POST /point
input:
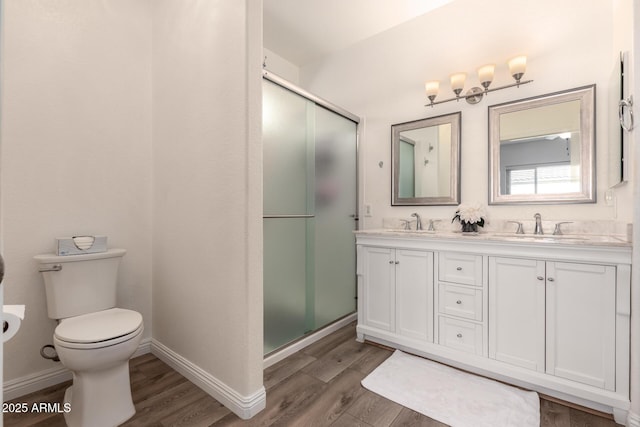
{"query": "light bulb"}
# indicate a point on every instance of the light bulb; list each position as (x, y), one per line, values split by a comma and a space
(485, 75)
(517, 67)
(432, 88)
(457, 82)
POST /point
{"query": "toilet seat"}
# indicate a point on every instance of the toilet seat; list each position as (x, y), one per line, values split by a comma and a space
(100, 329)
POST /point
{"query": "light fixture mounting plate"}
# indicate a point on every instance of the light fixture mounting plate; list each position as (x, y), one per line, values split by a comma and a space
(474, 95)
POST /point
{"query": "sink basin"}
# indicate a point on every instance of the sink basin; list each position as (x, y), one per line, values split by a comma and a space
(539, 237)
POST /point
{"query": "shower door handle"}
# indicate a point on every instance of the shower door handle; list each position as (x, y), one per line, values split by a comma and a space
(628, 103)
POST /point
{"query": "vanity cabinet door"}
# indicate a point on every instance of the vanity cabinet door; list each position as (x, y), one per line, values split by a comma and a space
(414, 294)
(581, 330)
(379, 290)
(398, 291)
(554, 317)
(517, 312)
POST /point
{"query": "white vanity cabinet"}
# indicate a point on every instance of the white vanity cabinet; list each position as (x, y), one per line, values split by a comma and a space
(398, 291)
(548, 314)
(554, 317)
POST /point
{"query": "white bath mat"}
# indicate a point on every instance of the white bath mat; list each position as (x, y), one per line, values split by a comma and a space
(451, 396)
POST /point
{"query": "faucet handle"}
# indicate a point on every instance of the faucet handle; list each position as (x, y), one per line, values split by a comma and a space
(557, 231)
(520, 229)
(432, 224)
(407, 223)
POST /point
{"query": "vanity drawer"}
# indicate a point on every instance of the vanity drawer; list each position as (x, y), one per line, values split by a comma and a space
(460, 335)
(460, 301)
(460, 268)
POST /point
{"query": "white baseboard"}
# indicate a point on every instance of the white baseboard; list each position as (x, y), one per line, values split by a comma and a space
(21, 386)
(244, 407)
(35, 382)
(274, 358)
(633, 420)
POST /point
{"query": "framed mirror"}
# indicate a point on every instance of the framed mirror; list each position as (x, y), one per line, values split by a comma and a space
(425, 167)
(542, 149)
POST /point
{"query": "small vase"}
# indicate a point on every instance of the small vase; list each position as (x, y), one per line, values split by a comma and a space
(469, 227)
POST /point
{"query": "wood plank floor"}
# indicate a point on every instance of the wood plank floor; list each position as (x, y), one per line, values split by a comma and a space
(318, 386)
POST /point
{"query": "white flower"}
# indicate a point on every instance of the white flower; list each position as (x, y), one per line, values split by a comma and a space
(472, 213)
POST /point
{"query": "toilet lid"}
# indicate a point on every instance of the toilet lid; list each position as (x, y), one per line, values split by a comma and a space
(100, 326)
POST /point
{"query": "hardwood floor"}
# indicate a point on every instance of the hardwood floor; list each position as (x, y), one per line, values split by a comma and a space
(318, 386)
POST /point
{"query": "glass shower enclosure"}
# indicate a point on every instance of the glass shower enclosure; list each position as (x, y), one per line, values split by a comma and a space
(309, 213)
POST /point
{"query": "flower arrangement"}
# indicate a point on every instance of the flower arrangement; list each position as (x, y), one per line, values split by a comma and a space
(470, 217)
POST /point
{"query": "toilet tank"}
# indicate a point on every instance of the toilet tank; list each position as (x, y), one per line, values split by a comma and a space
(80, 284)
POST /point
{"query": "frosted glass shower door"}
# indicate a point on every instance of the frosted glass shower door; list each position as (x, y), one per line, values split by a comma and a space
(309, 179)
(335, 208)
(287, 210)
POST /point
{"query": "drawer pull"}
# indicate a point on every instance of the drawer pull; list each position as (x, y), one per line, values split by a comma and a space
(540, 278)
(459, 268)
(550, 279)
(459, 302)
(459, 335)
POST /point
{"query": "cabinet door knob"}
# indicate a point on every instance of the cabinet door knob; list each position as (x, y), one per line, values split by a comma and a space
(459, 268)
(390, 262)
(459, 302)
(540, 278)
(459, 335)
(397, 262)
(551, 279)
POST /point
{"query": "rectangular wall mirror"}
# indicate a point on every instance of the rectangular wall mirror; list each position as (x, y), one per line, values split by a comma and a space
(542, 149)
(425, 167)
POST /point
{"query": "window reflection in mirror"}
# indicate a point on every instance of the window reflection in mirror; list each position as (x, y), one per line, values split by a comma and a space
(425, 166)
(541, 149)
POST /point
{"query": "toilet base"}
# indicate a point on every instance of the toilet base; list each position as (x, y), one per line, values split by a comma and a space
(100, 398)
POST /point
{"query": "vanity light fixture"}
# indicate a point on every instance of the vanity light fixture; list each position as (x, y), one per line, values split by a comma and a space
(517, 67)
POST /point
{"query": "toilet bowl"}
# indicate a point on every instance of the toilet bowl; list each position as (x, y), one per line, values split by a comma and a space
(96, 347)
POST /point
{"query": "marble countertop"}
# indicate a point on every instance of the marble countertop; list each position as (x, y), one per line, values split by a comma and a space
(566, 239)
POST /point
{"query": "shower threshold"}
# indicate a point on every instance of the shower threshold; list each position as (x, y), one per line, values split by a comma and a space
(278, 354)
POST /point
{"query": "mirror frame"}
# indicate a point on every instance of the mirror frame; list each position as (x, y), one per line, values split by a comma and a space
(587, 194)
(453, 198)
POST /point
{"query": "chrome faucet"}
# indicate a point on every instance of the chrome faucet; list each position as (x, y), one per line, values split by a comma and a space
(418, 221)
(538, 229)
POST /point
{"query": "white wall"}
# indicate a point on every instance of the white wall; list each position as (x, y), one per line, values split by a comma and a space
(76, 150)
(382, 79)
(207, 196)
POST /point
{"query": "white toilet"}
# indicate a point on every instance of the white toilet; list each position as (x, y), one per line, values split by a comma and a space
(93, 339)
